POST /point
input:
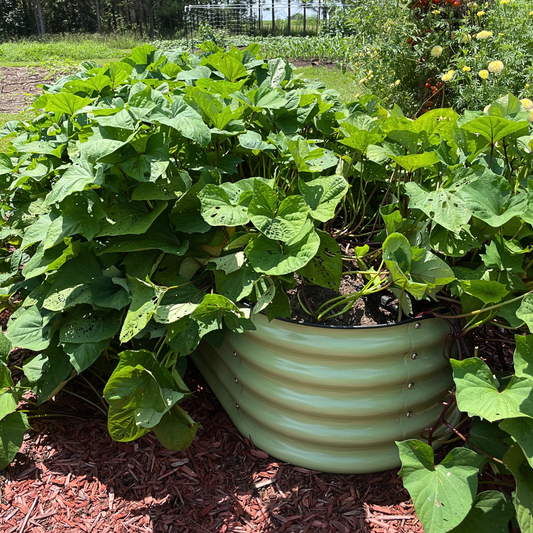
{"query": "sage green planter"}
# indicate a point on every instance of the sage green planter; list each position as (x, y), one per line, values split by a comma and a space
(328, 398)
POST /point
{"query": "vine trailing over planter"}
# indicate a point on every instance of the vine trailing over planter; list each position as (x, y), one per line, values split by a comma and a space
(150, 198)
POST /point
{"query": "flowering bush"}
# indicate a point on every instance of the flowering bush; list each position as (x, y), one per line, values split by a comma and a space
(497, 46)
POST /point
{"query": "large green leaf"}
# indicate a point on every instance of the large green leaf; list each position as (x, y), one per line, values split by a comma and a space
(178, 302)
(521, 429)
(77, 178)
(478, 395)
(494, 128)
(9, 398)
(488, 437)
(186, 121)
(443, 206)
(145, 298)
(450, 243)
(176, 430)
(234, 276)
(132, 218)
(81, 213)
(84, 325)
(82, 356)
(148, 164)
(397, 253)
(159, 236)
(325, 268)
(31, 328)
(525, 311)
(490, 199)
(523, 497)
(12, 429)
(431, 270)
(491, 513)
(225, 205)
(66, 103)
(523, 356)
(228, 66)
(215, 310)
(72, 285)
(270, 257)
(413, 162)
(443, 494)
(140, 391)
(51, 259)
(47, 372)
(487, 291)
(281, 222)
(322, 195)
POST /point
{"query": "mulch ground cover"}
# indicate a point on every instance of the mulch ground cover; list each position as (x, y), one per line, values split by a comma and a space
(70, 476)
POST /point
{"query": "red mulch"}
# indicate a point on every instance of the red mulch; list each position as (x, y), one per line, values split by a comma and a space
(71, 477)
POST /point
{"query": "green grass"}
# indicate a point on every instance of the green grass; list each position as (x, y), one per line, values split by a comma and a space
(73, 47)
(334, 78)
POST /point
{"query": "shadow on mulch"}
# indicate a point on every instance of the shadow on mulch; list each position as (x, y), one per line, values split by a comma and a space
(70, 476)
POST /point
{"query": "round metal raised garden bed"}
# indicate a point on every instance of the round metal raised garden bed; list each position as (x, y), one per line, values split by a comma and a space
(333, 399)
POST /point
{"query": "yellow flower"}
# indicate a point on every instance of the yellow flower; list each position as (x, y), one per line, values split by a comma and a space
(480, 13)
(531, 13)
(448, 76)
(530, 118)
(527, 103)
(466, 69)
(484, 74)
(504, 2)
(482, 35)
(436, 51)
(397, 82)
(467, 38)
(436, 11)
(495, 67)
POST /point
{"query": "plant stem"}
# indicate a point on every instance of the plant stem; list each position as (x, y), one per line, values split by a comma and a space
(86, 400)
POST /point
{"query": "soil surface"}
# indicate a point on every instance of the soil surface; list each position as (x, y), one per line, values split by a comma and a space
(366, 311)
(17, 85)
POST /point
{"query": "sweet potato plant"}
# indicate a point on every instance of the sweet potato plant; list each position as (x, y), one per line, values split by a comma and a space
(165, 199)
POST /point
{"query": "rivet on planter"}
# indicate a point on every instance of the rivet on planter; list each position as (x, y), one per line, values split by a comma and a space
(411, 385)
(236, 406)
(234, 354)
(418, 325)
(236, 380)
(409, 414)
(414, 356)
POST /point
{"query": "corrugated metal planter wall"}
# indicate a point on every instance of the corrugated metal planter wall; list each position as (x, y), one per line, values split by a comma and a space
(327, 398)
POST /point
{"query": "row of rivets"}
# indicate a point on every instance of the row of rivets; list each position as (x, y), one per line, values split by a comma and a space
(236, 381)
(411, 385)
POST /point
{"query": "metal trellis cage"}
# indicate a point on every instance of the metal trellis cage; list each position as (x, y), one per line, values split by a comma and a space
(296, 17)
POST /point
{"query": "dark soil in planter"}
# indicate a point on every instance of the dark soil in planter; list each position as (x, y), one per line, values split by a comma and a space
(380, 308)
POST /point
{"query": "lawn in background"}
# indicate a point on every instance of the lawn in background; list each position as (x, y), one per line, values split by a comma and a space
(335, 78)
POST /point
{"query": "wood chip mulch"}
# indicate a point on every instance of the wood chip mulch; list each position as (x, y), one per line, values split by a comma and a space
(71, 477)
